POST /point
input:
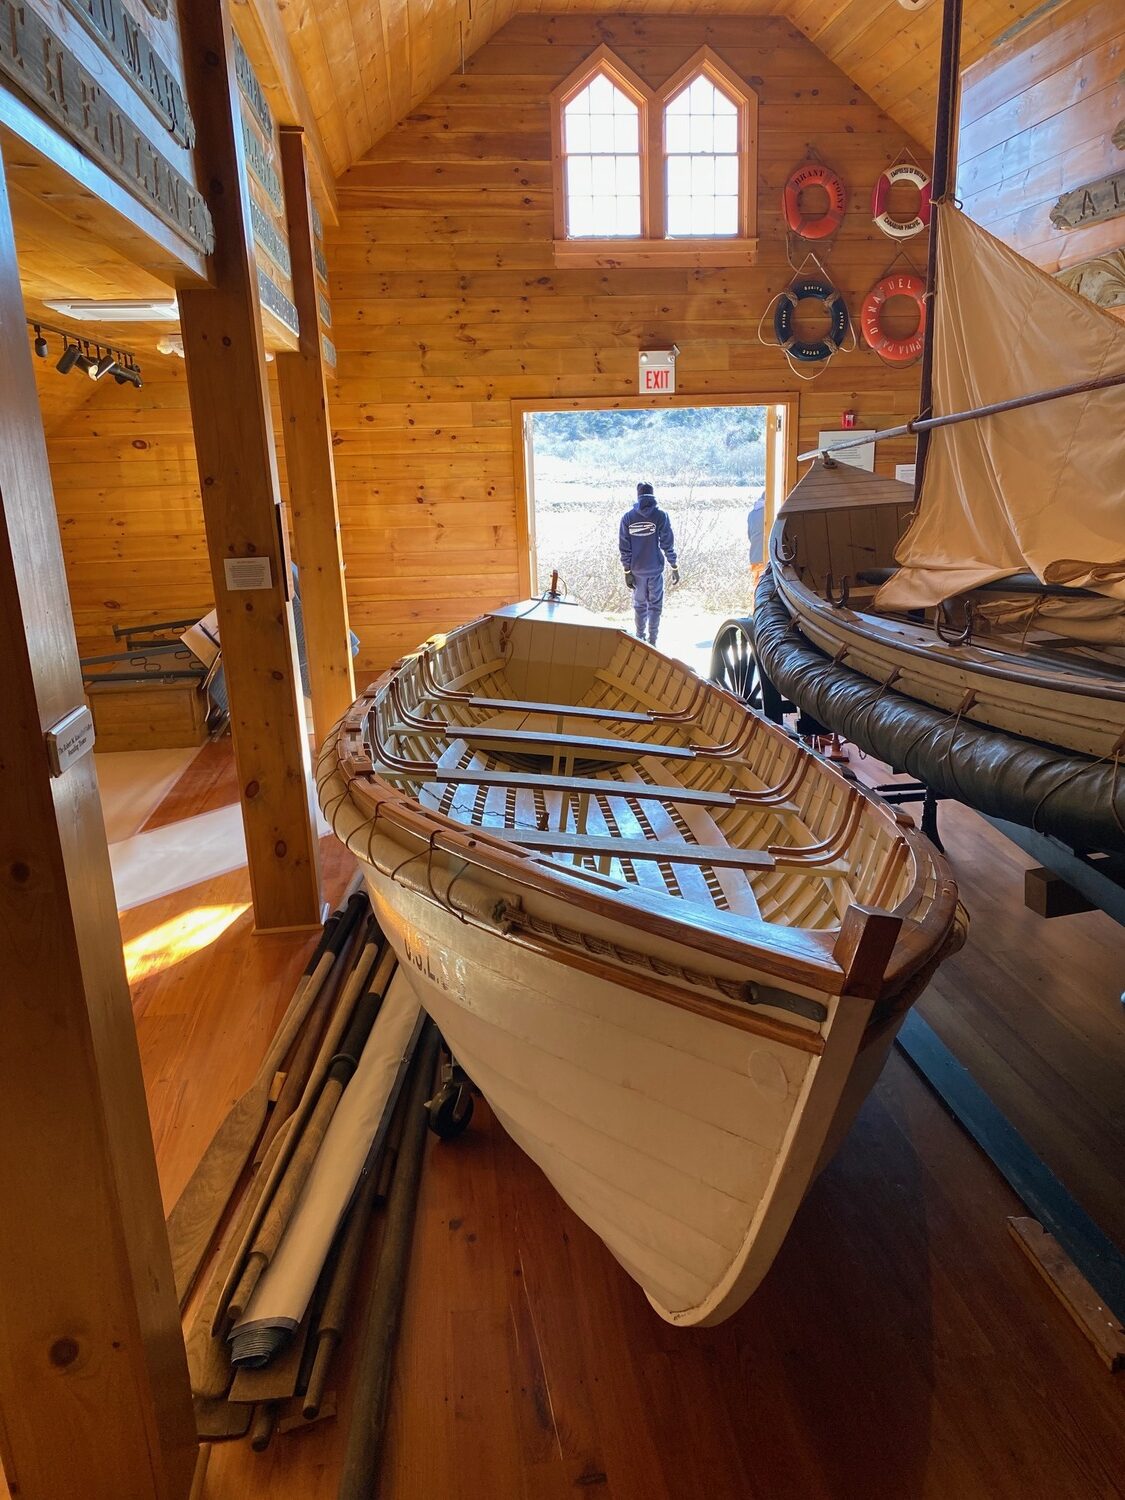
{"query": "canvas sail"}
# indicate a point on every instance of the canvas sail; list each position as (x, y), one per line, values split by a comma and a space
(1041, 489)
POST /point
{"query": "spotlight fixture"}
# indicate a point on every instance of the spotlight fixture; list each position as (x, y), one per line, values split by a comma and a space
(94, 359)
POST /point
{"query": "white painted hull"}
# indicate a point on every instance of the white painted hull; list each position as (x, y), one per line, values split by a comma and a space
(686, 1146)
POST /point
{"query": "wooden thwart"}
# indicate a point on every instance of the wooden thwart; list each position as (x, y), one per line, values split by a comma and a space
(721, 855)
(590, 747)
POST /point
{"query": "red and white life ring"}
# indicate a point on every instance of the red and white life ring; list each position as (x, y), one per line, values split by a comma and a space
(894, 351)
(814, 174)
(901, 229)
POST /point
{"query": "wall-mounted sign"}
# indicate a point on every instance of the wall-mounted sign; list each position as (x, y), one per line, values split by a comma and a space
(247, 573)
(69, 739)
(328, 350)
(1092, 204)
(120, 35)
(261, 167)
(37, 64)
(656, 371)
(271, 296)
(270, 237)
(1101, 280)
(251, 89)
(862, 457)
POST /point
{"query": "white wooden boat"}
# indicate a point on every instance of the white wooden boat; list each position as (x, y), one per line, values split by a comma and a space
(670, 945)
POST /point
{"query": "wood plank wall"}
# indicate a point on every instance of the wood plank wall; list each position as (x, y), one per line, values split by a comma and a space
(127, 496)
(1037, 119)
(447, 304)
(447, 307)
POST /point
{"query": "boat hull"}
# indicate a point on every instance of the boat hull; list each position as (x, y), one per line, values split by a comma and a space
(685, 1145)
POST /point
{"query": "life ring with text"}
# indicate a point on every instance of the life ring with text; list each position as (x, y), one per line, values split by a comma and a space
(820, 226)
(894, 351)
(901, 229)
(810, 351)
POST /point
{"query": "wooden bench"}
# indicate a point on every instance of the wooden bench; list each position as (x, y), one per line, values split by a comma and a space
(720, 855)
(569, 745)
(578, 785)
(562, 710)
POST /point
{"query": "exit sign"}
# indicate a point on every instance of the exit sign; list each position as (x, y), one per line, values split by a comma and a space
(657, 372)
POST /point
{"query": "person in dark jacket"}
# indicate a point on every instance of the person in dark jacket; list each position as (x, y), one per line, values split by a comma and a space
(645, 539)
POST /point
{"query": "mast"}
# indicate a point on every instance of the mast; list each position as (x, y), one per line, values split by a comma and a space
(945, 137)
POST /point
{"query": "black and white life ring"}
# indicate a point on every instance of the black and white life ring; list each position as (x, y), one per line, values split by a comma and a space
(901, 229)
(804, 350)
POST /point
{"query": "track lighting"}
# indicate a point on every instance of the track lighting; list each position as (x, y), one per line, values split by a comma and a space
(76, 354)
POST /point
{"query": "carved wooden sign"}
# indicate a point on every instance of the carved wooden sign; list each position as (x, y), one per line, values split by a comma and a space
(38, 65)
(251, 89)
(119, 34)
(1092, 204)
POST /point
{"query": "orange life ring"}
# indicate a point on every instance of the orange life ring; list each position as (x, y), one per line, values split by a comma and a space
(901, 229)
(814, 174)
(894, 351)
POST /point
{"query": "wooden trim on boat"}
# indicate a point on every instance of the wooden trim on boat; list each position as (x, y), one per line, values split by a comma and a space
(722, 856)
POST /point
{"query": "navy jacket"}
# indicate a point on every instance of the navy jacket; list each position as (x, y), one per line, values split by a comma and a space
(644, 534)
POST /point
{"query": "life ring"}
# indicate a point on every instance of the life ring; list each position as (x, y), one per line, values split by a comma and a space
(901, 229)
(814, 174)
(894, 351)
(805, 287)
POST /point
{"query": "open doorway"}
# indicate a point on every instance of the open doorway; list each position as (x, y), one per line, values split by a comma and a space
(714, 469)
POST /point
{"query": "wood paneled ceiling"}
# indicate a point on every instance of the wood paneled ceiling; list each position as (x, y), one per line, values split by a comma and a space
(366, 64)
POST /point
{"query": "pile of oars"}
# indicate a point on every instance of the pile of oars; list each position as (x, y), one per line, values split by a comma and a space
(251, 1177)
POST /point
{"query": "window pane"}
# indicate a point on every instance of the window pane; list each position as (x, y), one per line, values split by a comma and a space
(601, 135)
(577, 132)
(702, 162)
(726, 216)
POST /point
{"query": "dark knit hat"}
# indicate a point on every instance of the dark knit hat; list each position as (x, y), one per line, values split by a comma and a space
(643, 489)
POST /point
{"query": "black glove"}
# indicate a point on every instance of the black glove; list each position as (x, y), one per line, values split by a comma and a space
(630, 581)
(675, 577)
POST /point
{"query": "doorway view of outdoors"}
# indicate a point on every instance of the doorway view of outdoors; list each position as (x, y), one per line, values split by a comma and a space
(709, 469)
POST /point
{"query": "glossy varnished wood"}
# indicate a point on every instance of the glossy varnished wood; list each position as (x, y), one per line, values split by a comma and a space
(93, 1382)
(241, 504)
(901, 1346)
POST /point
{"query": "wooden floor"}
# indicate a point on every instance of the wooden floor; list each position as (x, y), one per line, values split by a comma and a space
(901, 1348)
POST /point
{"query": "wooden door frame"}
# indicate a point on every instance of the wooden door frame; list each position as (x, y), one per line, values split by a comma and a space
(522, 448)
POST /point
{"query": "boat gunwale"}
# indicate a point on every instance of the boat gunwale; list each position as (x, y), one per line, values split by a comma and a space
(802, 956)
(877, 629)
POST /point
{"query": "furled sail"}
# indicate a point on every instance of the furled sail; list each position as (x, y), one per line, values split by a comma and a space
(1041, 489)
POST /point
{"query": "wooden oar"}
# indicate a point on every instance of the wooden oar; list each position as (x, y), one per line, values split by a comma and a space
(356, 970)
(343, 1064)
(199, 1208)
(376, 1355)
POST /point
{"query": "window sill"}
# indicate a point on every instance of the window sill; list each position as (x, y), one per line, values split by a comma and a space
(671, 253)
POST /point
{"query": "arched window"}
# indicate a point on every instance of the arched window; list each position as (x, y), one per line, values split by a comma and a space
(601, 124)
(701, 161)
(649, 176)
(709, 122)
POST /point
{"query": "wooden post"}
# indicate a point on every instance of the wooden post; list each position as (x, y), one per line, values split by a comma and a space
(308, 457)
(241, 502)
(93, 1380)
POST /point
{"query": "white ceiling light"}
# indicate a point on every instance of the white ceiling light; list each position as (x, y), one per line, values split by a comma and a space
(119, 312)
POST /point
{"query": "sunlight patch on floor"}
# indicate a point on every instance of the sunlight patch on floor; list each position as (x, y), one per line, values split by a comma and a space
(178, 938)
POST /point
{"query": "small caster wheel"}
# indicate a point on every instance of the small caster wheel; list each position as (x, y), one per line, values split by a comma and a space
(450, 1111)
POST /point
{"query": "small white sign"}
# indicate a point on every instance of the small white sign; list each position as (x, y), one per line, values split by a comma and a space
(656, 372)
(862, 457)
(905, 472)
(70, 739)
(248, 572)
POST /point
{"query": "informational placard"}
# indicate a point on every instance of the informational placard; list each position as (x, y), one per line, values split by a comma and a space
(905, 472)
(70, 739)
(657, 372)
(861, 457)
(247, 573)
